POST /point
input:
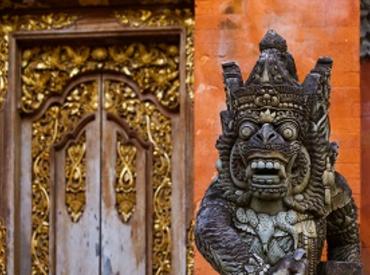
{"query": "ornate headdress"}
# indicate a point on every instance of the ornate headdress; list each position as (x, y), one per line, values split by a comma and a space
(273, 83)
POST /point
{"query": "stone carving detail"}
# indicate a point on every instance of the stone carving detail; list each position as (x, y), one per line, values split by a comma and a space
(75, 171)
(125, 185)
(58, 120)
(152, 126)
(277, 196)
(365, 29)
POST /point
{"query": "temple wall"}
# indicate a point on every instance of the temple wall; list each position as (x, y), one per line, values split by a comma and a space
(231, 30)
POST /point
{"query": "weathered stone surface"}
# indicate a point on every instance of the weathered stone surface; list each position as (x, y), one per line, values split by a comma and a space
(277, 196)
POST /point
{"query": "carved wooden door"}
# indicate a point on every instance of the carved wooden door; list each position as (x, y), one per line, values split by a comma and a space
(102, 185)
(98, 176)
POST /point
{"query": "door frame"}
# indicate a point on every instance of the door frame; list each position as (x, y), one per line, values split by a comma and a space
(182, 131)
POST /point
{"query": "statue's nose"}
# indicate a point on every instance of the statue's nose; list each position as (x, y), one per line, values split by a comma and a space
(267, 134)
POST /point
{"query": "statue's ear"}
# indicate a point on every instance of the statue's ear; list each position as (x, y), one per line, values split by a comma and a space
(233, 80)
(317, 87)
(227, 122)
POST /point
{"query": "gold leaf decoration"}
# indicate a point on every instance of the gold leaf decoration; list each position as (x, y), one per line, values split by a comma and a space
(145, 118)
(58, 120)
(153, 66)
(3, 258)
(75, 171)
(190, 248)
(183, 18)
(9, 24)
(125, 186)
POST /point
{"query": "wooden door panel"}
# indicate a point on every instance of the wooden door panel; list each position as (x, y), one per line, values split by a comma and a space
(77, 206)
(125, 229)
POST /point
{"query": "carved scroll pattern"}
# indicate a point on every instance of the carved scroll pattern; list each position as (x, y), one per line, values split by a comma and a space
(190, 242)
(75, 171)
(58, 120)
(9, 24)
(154, 67)
(145, 118)
(3, 258)
(169, 18)
(125, 186)
(166, 18)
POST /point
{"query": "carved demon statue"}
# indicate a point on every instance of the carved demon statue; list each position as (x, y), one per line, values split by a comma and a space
(277, 197)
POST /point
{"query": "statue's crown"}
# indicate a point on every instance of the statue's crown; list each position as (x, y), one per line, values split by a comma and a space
(273, 82)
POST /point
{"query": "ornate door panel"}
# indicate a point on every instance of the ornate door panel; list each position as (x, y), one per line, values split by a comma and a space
(99, 148)
(102, 186)
(77, 203)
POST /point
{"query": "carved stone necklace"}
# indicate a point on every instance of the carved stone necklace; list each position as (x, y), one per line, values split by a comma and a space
(271, 237)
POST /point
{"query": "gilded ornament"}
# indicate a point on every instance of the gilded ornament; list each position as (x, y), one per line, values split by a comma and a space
(3, 252)
(183, 18)
(154, 67)
(125, 186)
(75, 171)
(9, 24)
(190, 243)
(145, 118)
(54, 124)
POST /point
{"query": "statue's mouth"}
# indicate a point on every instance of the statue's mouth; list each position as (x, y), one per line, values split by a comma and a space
(267, 174)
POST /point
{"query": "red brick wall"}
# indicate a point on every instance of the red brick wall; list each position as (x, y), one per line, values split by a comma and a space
(231, 30)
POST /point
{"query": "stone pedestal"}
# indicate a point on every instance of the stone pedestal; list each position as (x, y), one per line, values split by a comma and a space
(339, 268)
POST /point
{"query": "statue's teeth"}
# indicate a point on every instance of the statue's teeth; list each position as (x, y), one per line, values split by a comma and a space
(254, 165)
(276, 165)
(269, 165)
(261, 165)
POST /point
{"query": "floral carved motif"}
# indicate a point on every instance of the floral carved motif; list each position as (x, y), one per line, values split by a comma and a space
(75, 171)
(9, 24)
(152, 126)
(57, 121)
(47, 70)
(125, 186)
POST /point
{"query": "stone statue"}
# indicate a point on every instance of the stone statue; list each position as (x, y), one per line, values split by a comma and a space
(277, 197)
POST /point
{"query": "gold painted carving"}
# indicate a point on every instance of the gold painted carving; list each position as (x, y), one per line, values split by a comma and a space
(154, 67)
(58, 120)
(145, 118)
(168, 18)
(125, 186)
(3, 258)
(190, 242)
(183, 18)
(75, 171)
(9, 24)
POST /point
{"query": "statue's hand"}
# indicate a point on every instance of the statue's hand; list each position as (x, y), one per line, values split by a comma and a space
(292, 264)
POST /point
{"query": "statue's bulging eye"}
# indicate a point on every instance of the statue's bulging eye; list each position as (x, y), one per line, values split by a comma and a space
(247, 129)
(289, 131)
